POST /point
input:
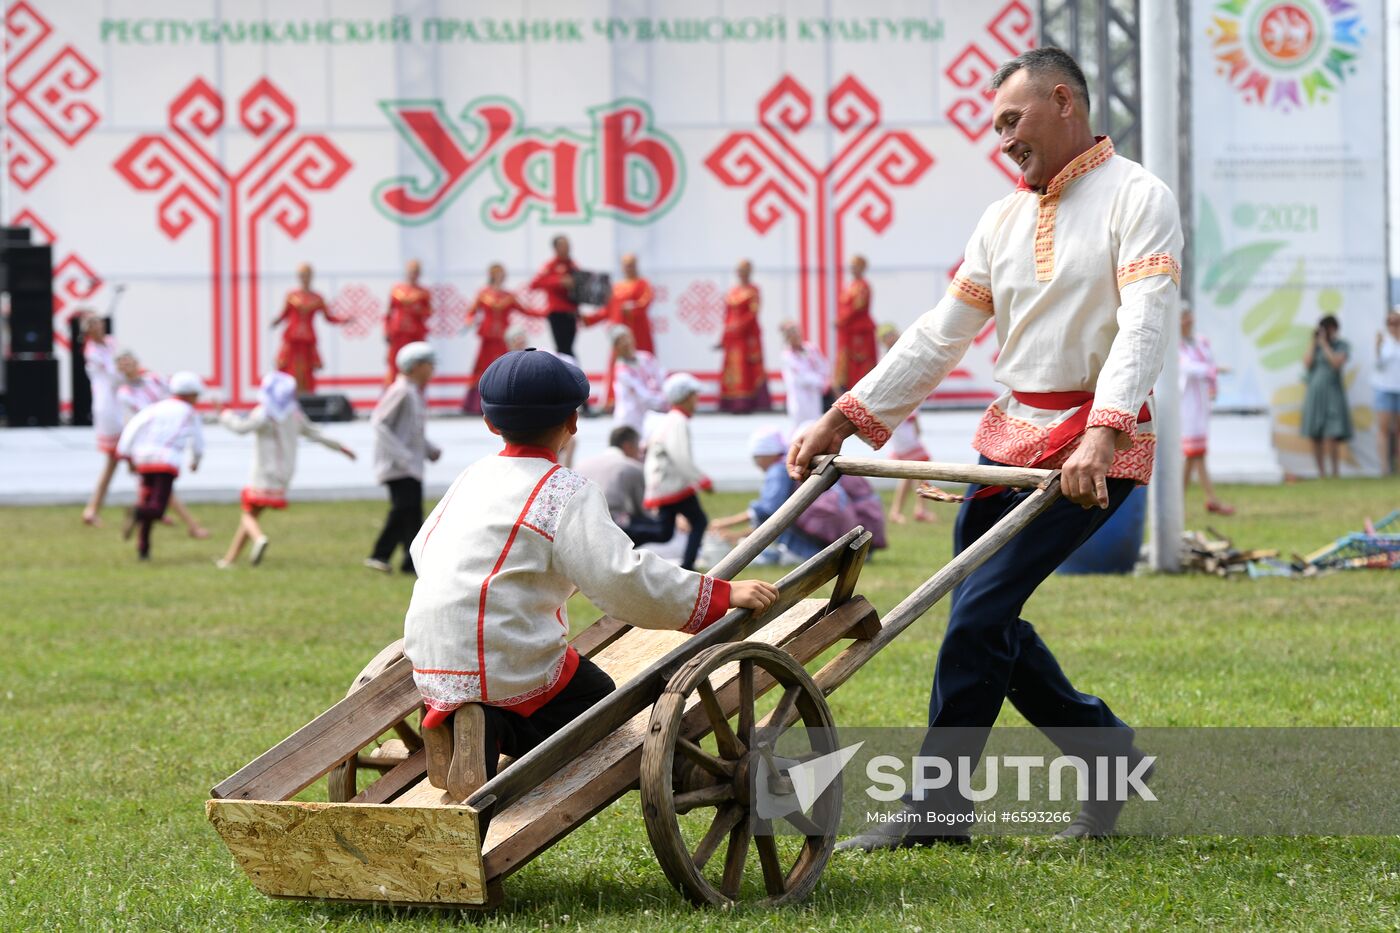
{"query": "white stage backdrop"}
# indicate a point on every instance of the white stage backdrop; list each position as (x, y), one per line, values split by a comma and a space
(196, 152)
(1288, 137)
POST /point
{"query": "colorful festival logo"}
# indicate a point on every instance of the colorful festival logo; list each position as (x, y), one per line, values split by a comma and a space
(623, 168)
(1286, 53)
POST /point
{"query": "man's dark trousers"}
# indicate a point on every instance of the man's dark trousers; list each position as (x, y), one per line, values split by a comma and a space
(989, 653)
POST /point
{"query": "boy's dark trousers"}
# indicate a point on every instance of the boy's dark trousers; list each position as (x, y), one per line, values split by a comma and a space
(403, 521)
(511, 734)
(691, 509)
(151, 503)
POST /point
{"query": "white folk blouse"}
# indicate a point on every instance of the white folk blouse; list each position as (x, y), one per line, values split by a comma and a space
(1080, 280)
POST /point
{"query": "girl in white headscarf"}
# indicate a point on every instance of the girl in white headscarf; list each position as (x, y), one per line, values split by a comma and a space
(278, 422)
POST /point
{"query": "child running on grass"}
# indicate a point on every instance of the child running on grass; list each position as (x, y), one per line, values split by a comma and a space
(672, 477)
(278, 422)
(154, 440)
(512, 539)
(400, 446)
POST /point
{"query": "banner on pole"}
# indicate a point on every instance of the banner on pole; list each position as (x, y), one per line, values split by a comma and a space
(1288, 180)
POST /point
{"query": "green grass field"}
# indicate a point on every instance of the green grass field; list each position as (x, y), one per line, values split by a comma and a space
(129, 690)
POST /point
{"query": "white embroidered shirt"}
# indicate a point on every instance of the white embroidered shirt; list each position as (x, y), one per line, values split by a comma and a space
(1079, 280)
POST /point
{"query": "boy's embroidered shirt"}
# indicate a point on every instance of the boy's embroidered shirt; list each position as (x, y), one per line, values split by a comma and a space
(497, 561)
(156, 436)
(1079, 281)
(670, 470)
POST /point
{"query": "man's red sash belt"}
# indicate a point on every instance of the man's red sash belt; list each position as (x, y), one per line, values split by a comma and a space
(1062, 434)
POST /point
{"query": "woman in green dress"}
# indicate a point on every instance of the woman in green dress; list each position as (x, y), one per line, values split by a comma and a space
(1326, 415)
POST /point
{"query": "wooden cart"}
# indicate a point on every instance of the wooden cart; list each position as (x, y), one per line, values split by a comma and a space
(388, 836)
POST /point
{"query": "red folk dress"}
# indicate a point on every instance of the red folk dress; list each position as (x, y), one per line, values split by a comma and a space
(631, 300)
(743, 380)
(298, 354)
(407, 321)
(491, 314)
(855, 335)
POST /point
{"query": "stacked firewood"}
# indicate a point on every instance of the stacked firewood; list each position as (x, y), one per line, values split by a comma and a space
(1211, 552)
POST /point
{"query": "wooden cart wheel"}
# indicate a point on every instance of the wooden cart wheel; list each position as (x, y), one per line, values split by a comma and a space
(697, 781)
(380, 755)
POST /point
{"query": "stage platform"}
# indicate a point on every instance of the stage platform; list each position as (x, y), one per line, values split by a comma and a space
(46, 466)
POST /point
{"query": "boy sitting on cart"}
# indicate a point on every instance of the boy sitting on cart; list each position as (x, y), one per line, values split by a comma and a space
(512, 539)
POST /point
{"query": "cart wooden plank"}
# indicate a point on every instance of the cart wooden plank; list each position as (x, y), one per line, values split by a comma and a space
(347, 851)
(594, 779)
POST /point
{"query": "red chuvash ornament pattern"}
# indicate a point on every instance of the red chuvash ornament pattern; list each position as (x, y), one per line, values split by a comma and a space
(48, 89)
(450, 309)
(359, 309)
(183, 167)
(1009, 33)
(701, 307)
(821, 199)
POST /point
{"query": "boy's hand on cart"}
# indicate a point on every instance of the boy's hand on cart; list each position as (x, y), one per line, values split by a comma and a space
(752, 594)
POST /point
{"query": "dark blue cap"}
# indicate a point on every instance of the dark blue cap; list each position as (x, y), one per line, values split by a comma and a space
(531, 390)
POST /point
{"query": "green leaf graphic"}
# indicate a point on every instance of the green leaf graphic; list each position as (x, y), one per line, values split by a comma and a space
(1290, 351)
(1241, 265)
(1276, 311)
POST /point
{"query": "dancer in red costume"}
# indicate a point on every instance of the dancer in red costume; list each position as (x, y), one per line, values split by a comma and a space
(298, 354)
(855, 330)
(410, 306)
(491, 314)
(743, 380)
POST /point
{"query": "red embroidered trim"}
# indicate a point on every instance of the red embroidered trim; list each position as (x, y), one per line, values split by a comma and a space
(872, 429)
(500, 561)
(1045, 237)
(531, 700)
(1113, 418)
(1082, 164)
(1049, 205)
(970, 293)
(1147, 266)
(1011, 440)
(701, 609)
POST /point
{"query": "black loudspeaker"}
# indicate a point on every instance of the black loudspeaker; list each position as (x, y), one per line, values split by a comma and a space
(29, 280)
(80, 390)
(31, 391)
(327, 407)
(14, 234)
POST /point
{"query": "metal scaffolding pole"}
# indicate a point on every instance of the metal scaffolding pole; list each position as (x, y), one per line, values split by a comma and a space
(1160, 30)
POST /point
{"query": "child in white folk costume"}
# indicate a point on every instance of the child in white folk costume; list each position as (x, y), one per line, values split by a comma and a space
(400, 446)
(673, 480)
(137, 389)
(154, 440)
(637, 379)
(278, 422)
(512, 539)
(100, 362)
(906, 443)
